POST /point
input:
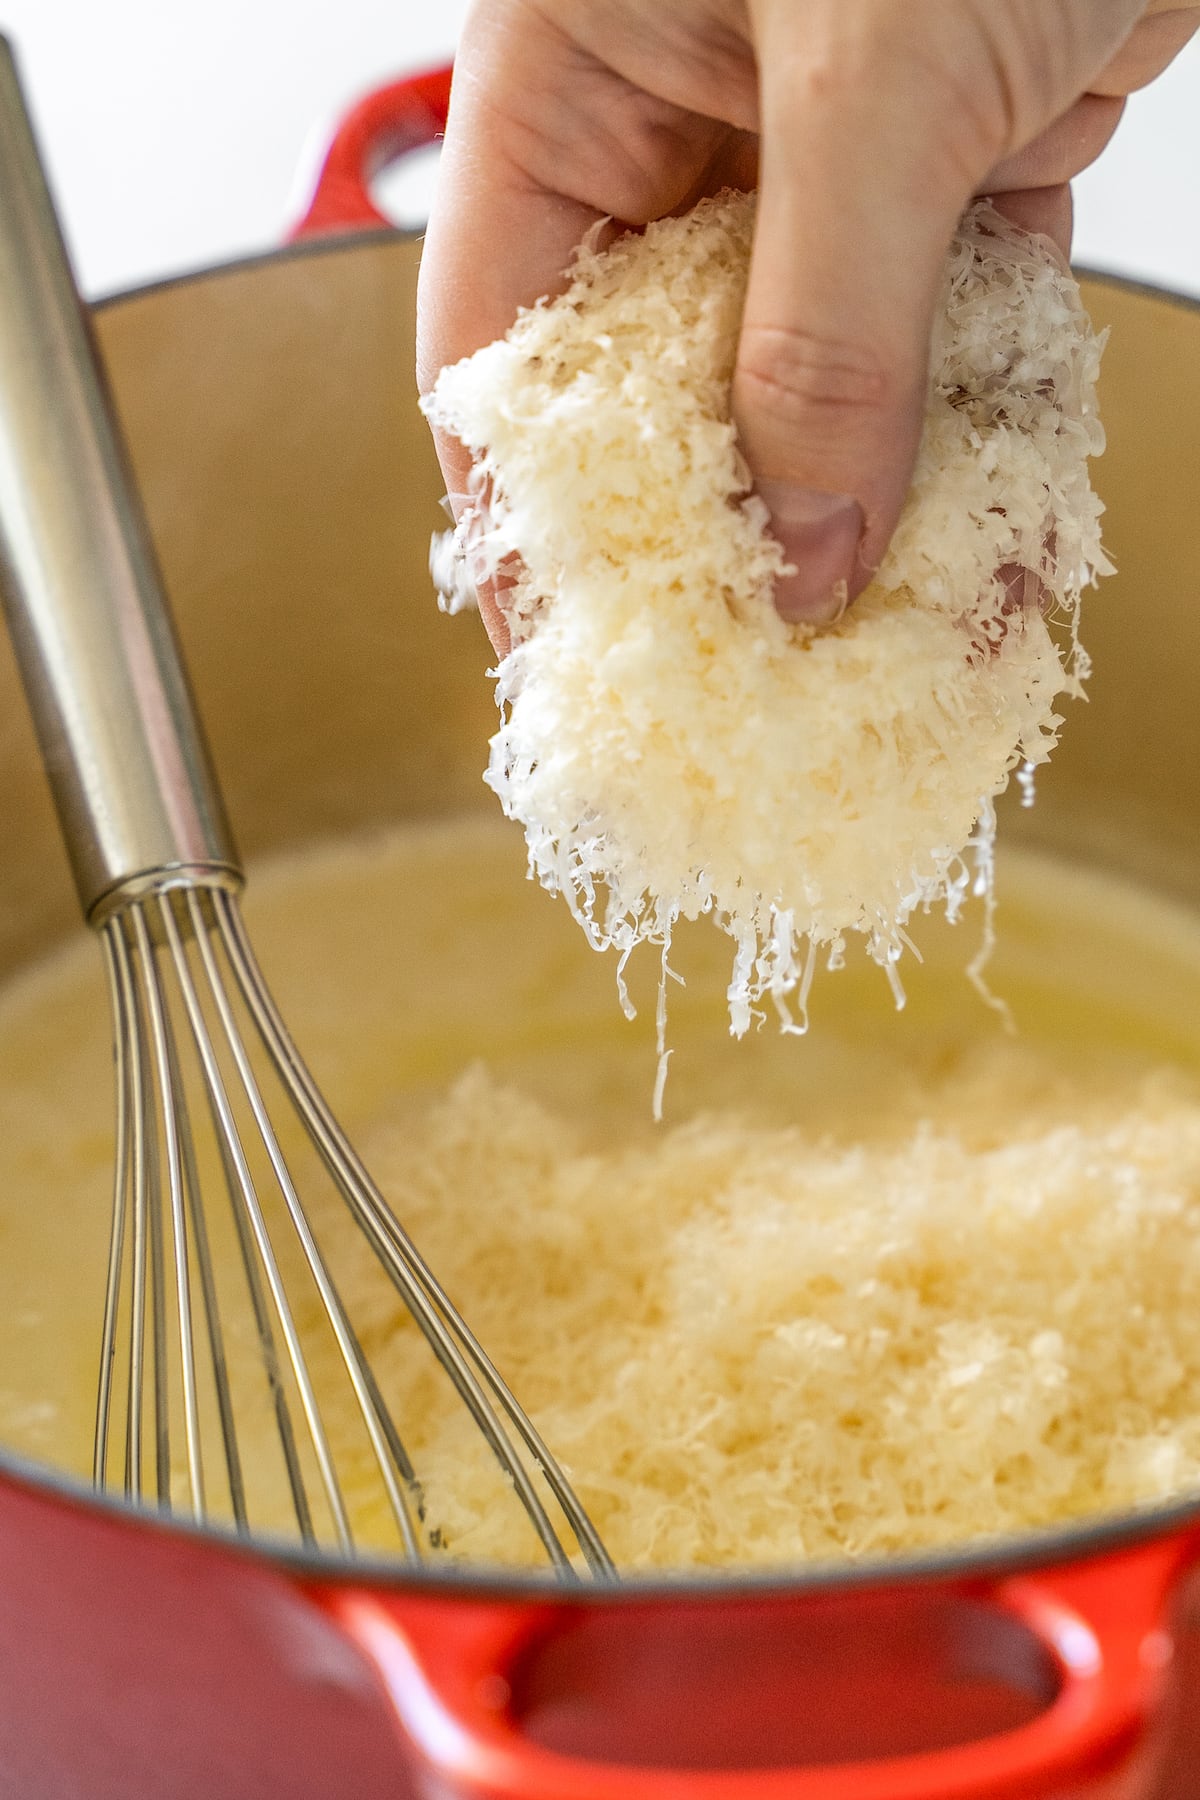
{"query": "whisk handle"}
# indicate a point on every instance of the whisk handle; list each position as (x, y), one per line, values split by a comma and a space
(99, 661)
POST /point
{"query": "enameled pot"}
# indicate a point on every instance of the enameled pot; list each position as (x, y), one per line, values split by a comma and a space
(292, 492)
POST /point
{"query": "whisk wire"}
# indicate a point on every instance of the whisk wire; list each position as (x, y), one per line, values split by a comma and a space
(212, 1310)
(268, 1353)
(248, 1196)
(331, 1300)
(165, 1063)
(160, 1393)
(136, 1070)
(122, 1037)
(423, 1295)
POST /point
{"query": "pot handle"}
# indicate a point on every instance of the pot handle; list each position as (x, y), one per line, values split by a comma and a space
(377, 130)
(450, 1667)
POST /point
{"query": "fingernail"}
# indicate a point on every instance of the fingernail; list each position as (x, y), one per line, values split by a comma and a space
(820, 534)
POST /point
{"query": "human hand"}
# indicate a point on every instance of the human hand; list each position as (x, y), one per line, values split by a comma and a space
(868, 124)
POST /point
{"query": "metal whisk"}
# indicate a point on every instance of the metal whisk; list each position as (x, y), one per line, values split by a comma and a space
(204, 1157)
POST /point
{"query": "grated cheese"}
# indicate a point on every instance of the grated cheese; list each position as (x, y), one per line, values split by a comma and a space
(671, 747)
(758, 1346)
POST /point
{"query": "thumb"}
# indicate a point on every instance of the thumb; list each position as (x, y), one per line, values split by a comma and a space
(861, 187)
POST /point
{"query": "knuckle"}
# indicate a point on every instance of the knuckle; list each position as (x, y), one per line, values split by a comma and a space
(792, 372)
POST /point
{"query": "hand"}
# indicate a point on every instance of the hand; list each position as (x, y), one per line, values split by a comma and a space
(868, 124)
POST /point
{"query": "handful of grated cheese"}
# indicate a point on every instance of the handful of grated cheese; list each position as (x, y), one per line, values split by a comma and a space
(670, 745)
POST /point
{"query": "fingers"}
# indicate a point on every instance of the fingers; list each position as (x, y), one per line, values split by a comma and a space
(862, 186)
(473, 281)
(545, 139)
(1149, 49)
(1030, 187)
(1063, 150)
(875, 123)
(470, 290)
(1048, 212)
(497, 239)
(859, 199)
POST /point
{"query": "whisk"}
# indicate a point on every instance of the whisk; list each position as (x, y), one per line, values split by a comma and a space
(202, 1055)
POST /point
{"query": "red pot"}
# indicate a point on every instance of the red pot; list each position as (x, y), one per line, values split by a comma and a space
(292, 491)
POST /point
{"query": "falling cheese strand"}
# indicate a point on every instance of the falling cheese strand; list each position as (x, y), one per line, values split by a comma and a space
(672, 747)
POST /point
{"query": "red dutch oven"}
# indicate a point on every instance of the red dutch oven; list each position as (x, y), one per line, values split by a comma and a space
(292, 491)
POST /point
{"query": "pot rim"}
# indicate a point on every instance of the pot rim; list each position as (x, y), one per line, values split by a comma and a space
(297, 250)
(976, 1560)
(980, 1559)
(377, 236)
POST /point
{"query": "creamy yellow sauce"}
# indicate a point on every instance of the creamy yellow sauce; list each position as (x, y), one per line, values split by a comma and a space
(405, 964)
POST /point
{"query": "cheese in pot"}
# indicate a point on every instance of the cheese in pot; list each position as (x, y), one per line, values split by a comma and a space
(908, 1281)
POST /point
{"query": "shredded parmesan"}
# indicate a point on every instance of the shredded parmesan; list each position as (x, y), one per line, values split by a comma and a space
(673, 748)
(758, 1346)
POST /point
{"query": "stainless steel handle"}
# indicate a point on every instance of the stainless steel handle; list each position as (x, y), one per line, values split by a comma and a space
(133, 783)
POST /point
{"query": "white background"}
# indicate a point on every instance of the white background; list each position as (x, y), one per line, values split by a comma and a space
(176, 129)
